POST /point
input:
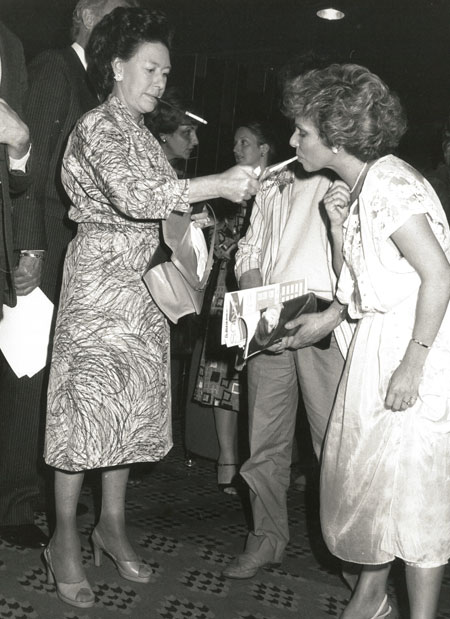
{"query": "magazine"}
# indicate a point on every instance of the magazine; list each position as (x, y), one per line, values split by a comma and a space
(255, 319)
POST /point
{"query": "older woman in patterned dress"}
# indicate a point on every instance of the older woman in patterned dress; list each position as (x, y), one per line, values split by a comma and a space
(109, 391)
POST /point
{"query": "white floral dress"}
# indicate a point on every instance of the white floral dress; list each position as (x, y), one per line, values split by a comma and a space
(385, 481)
(109, 392)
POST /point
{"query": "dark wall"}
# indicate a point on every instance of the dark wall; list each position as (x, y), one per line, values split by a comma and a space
(230, 51)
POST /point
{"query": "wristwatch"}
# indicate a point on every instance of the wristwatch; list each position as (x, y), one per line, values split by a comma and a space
(33, 253)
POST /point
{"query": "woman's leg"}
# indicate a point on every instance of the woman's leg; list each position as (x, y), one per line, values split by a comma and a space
(424, 586)
(227, 435)
(111, 524)
(65, 543)
(368, 596)
(350, 573)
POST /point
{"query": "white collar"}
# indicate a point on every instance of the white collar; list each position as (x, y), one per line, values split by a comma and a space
(80, 53)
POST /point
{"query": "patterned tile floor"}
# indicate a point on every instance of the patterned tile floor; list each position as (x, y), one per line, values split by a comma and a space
(187, 531)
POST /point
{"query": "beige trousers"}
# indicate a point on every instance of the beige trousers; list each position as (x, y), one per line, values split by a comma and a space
(273, 391)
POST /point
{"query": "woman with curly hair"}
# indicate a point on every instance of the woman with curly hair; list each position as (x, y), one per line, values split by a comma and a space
(109, 387)
(385, 476)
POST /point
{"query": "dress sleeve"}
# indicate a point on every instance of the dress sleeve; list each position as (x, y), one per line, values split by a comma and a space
(116, 169)
(392, 196)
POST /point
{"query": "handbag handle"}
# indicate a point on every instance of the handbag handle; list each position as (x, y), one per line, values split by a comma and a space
(185, 269)
(210, 259)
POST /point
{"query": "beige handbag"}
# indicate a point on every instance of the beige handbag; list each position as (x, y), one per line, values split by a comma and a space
(175, 285)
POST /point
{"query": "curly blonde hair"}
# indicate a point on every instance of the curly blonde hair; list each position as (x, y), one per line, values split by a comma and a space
(350, 107)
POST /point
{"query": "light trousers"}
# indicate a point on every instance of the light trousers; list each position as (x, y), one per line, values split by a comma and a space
(273, 392)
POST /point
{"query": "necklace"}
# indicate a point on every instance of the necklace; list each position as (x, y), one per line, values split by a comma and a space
(358, 177)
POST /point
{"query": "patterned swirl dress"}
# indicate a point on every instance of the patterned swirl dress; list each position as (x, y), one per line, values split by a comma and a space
(385, 480)
(109, 390)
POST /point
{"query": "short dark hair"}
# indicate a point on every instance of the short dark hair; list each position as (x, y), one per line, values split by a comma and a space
(350, 107)
(118, 35)
(167, 118)
(264, 135)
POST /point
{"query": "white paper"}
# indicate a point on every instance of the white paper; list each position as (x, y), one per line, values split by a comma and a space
(25, 333)
(201, 251)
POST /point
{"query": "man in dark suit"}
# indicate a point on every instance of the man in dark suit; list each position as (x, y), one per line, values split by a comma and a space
(59, 94)
(18, 274)
(14, 154)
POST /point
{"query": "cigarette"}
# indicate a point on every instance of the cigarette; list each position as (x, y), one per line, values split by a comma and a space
(186, 113)
(277, 166)
(197, 118)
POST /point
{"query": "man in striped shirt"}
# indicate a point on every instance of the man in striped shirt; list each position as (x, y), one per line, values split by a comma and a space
(287, 240)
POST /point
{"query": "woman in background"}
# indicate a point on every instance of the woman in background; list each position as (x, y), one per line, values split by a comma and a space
(176, 132)
(386, 457)
(109, 389)
(218, 383)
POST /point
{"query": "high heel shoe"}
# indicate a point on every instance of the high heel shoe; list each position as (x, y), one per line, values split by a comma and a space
(379, 614)
(131, 570)
(226, 487)
(69, 592)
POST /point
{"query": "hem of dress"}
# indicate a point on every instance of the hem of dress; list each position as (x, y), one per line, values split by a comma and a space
(79, 469)
(424, 564)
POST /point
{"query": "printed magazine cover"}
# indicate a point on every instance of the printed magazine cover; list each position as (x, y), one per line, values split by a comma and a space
(255, 318)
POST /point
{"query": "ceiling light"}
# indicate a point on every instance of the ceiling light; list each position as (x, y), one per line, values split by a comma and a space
(330, 14)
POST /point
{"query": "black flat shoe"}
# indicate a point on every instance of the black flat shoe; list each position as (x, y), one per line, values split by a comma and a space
(26, 535)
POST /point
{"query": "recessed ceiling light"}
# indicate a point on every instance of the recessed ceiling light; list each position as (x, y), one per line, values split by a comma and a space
(330, 14)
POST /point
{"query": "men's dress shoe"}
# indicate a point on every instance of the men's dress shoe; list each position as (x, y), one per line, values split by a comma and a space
(26, 535)
(243, 566)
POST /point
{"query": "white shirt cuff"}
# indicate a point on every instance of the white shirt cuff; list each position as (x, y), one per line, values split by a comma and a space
(20, 164)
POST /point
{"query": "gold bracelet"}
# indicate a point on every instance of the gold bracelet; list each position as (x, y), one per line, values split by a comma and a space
(413, 339)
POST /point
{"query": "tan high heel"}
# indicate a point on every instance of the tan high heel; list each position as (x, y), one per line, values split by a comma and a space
(69, 592)
(387, 611)
(130, 570)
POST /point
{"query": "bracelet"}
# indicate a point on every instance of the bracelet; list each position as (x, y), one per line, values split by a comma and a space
(413, 339)
(342, 311)
(38, 253)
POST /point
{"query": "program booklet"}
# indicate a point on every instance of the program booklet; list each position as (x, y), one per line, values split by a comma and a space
(255, 319)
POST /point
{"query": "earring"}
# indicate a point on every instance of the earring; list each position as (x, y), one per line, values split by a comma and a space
(335, 150)
(163, 140)
(118, 78)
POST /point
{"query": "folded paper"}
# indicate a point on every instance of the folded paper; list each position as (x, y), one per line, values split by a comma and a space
(25, 333)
